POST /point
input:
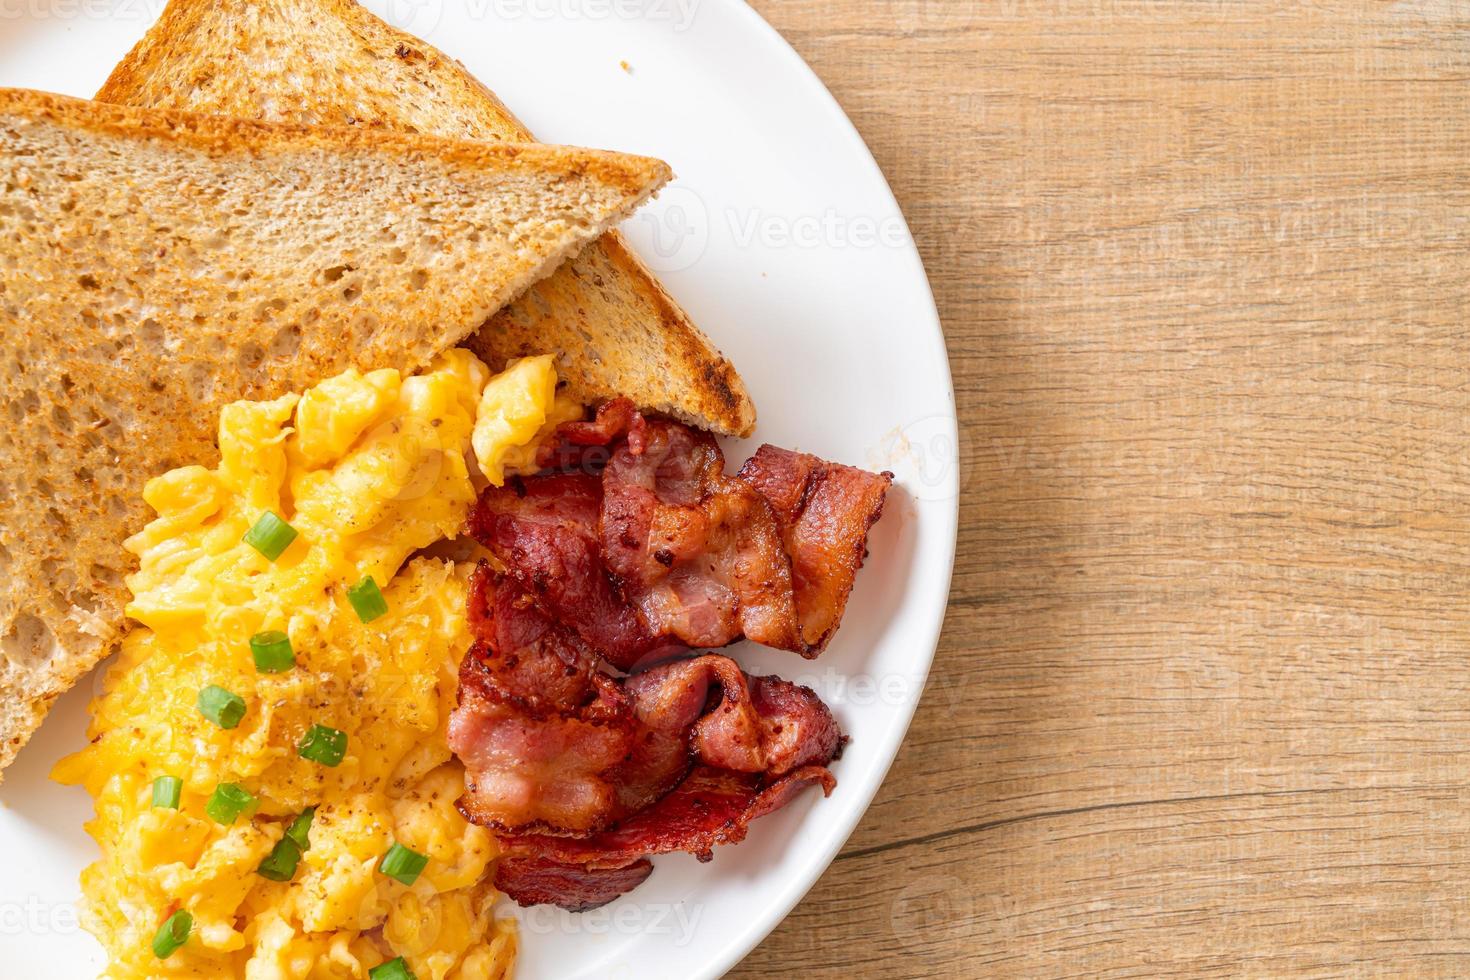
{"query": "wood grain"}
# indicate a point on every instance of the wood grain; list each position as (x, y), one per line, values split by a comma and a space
(1203, 700)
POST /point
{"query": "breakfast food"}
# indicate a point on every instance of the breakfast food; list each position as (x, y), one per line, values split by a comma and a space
(614, 328)
(161, 264)
(661, 550)
(330, 653)
(323, 745)
(630, 548)
(425, 626)
(583, 777)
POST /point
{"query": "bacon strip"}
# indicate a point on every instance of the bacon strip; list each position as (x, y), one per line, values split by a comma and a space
(734, 720)
(538, 726)
(551, 744)
(545, 531)
(825, 511)
(583, 446)
(614, 420)
(637, 549)
(652, 548)
(698, 553)
(711, 807)
(576, 888)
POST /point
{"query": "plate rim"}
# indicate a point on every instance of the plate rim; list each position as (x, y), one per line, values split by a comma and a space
(743, 941)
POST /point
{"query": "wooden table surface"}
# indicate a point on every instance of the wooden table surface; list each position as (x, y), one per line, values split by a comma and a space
(1202, 706)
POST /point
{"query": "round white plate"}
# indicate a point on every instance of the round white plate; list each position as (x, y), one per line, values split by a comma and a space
(783, 241)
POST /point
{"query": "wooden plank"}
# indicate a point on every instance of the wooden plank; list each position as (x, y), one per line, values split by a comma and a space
(1314, 883)
(1201, 702)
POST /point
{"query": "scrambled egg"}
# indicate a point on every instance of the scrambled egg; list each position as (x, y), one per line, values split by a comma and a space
(367, 469)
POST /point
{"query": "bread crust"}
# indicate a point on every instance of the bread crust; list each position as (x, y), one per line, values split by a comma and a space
(222, 136)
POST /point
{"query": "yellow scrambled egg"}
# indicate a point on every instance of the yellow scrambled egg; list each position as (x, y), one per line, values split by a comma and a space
(368, 469)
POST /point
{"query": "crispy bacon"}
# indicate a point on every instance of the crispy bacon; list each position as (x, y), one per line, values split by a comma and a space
(584, 446)
(522, 652)
(825, 511)
(538, 726)
(614, 420)
(545, 531)
(698, 553)
(711, 807)
(637, 548)
(736, 720)
(550, 743)
(653, 548)
(576, 888)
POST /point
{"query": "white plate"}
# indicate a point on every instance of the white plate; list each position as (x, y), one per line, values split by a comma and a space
(781, 238)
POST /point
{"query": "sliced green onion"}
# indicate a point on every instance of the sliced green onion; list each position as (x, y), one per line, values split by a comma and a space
(301, 827)
(323, 744)
(367, 599)
(272, 652)
(172, 934)
(280, 864)
(167, 790)
(403, 864)
(221, 707)
(227, 802)
(395, 969)
(270, 536)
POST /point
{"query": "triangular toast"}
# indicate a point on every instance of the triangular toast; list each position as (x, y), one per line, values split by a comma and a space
(332, 62)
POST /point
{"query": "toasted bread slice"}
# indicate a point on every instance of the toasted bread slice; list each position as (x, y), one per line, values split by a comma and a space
(330, 61)
(158, 265)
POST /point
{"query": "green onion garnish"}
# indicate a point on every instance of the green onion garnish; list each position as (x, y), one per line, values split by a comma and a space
(221, 707)
(172, 934)
(301, 828)
(167, 790)
(367, 599)
(270, 536)
(395, 969)
(403, 864)
(227, 802)
(323, 744)
(272, 652)
(280, 864)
